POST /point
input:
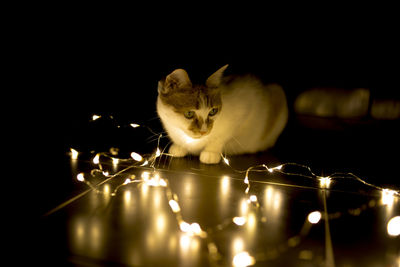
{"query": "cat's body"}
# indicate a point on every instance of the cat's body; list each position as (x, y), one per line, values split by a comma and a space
(233, 115)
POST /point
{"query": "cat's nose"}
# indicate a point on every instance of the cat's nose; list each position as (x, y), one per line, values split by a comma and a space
(203, 132)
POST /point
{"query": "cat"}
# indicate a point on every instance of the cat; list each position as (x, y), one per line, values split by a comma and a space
(227, 115)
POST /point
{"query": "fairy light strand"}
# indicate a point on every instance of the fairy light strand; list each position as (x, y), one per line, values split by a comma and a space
(194, 229)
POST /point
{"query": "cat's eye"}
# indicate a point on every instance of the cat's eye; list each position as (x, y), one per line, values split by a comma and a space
(189, 114)
(213, 112)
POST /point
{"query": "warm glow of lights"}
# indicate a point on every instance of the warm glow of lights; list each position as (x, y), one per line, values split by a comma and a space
(74, 153)
(393, 226)
(174, 206)
(96, 159)
(158, 152)
(145, 163)
(274, 168)
(80, 177)
(192, 229)
(134, 125)
(184, 226)
(387, 197)
(115, 161)
(314, 217)
(243, 259)
(238, 245)
(253, 198)
(225, 185)
(225, 160)
(136, 156)
(127, 181)
(239, 220)
(325, 182)
(246, 180)
(96, 117)
(145, 175)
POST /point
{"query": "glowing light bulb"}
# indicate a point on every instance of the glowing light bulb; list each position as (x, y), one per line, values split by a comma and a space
(314, 217)
(74, 153)
(387, 196)
(274, 168)
(243, 259)
(136, 156)
(134, 125)
(239, 220)
(226, 160)
(174, 206)
(393, 226)
(115, 161)
(96, 117)
(253, 198)
(127, 181)
(246, 180)
(158, 152)
(325, 182)
(184, 226)
(96, 159)
(80, 177)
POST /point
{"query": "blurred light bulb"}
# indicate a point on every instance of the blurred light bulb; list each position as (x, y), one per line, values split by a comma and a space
(74, 153)
(134, 125)
(243, 259)
(136, 156)
(314, 217)
(253, 198)
(387, 196)
(96, 117)
(96, 159)
(325, 182)
(174, 206)
(239, 220)
(80, 177)
(393, 226)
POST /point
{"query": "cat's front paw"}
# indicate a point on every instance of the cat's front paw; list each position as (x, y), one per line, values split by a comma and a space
(177, 151)
(210, 157)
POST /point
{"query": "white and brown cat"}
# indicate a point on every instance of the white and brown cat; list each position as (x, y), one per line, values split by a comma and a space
(229, 115)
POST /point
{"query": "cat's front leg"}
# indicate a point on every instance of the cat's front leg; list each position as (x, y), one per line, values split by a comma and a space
(177, 151)
(210, 157)
(211, 153)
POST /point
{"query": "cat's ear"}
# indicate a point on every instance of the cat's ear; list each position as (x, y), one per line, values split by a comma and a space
(178, 79)
(215, 79)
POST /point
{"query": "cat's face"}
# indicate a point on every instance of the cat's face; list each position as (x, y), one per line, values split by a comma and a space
(193, 108)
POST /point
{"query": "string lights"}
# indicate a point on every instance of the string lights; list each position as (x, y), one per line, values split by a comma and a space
(151, 177)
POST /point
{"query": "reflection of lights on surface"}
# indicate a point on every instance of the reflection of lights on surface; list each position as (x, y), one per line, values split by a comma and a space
(136, 156)
(251, 222)
(160, 223)
(387, 197)
(225, 185)
(244, 207)
(239, 220)
(106, 189)
(115, 161)
(238, 245)
(127, 197)
(393, 226)
(243, 259)
(74, 153)
(325, 182)
(80, 177)
(314, 217)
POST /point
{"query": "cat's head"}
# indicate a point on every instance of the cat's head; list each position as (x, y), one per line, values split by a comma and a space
(194, 107)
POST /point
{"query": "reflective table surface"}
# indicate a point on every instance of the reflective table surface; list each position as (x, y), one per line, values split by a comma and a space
(179, 212)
